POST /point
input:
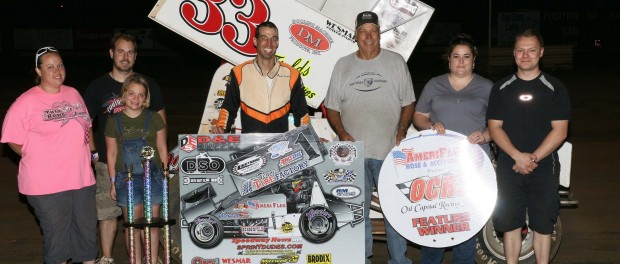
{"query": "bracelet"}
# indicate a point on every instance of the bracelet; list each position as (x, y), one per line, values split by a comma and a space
(94, 156)
(535, 159)
(113, 179)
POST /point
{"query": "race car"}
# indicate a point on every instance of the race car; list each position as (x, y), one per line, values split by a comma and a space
(294, 206)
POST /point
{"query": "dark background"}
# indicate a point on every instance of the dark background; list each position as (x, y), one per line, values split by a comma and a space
(184, 71)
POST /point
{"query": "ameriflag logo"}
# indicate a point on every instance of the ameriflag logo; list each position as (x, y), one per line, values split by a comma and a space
(400, 157)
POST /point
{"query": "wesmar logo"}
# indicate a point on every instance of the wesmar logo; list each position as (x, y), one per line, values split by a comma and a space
(310, 37)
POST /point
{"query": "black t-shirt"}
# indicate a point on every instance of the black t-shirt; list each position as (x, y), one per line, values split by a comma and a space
(103, 98)
(528, 107)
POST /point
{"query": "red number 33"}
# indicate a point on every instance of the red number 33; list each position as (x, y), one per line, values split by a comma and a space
(207, 17)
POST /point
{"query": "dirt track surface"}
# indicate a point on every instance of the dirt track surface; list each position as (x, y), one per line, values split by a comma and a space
(590, 231)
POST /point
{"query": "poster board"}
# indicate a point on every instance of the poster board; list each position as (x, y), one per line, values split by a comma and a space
(271, 198)
(441, 188)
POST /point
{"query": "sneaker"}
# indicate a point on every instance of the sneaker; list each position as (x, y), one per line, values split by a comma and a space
(105, 260)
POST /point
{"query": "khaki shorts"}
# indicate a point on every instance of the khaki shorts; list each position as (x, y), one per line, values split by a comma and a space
(106, 207)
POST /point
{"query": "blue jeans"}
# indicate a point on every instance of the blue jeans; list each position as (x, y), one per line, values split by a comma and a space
(397, 245)
(463, 253)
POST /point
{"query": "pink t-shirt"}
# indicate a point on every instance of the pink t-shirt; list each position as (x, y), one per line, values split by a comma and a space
(53, 131)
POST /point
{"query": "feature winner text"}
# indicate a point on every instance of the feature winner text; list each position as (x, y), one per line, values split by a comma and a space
(441, 224)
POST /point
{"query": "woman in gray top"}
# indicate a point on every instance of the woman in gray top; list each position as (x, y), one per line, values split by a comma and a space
(457, 101)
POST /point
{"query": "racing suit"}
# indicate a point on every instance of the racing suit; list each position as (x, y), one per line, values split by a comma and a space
(264, 109)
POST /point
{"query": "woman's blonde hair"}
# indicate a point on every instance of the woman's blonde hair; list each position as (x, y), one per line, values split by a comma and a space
(137, 79)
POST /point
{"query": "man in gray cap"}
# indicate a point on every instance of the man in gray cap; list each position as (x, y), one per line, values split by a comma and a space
(371, 98)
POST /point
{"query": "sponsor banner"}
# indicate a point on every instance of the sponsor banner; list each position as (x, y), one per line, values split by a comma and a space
(311, 42)
(264, 198)
(32, 39)
(437, 190)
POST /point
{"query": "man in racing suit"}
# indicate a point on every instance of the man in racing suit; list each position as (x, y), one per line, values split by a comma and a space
(266, 90)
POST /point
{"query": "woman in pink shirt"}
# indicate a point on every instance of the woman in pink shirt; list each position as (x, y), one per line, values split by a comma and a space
(48, 126)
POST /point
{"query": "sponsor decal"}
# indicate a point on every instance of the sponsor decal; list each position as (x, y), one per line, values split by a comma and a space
(318, 212)
(249, 165)
(252, 229)
(265, 179)
(233, 215)
(217, 104)
(290, 159)
(281, 259)
(346, 192)
(339, 176)
(407, 7)
(287, 227)
(432, 188)
(222, 92)
(217, 142)
(199, 260)
(202, 164)
(443, 156)
(188, 143)
(319, 258)
(236, 261)
(342, 153)
(340, 30)
(256, 204)
(188, 180)
(310, 37)
(279, 149)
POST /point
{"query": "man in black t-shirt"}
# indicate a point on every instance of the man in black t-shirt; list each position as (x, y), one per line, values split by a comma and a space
(528, 117)
(103, 99)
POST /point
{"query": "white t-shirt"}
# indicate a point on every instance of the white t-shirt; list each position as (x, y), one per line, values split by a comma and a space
(369, 95)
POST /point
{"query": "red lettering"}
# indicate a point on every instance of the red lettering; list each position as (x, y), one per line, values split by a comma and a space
(416, 191)
(219, 139)
(230, 33)
(448, 187)
(433, 188)
(214, 16)
(437, 187)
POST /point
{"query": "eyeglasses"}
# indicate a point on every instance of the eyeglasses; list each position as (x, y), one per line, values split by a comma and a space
(40, 53)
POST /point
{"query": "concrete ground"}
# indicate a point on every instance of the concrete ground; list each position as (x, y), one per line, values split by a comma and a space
(590, 231)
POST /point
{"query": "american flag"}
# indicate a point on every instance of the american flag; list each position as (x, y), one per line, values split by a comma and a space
(400, 157)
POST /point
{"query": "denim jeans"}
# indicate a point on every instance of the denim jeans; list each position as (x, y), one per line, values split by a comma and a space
(397, 245)
(463, 253)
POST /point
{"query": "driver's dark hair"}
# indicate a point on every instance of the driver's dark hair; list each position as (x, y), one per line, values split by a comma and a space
(268, 24)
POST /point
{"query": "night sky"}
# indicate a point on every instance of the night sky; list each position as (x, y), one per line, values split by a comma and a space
(594, 19)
